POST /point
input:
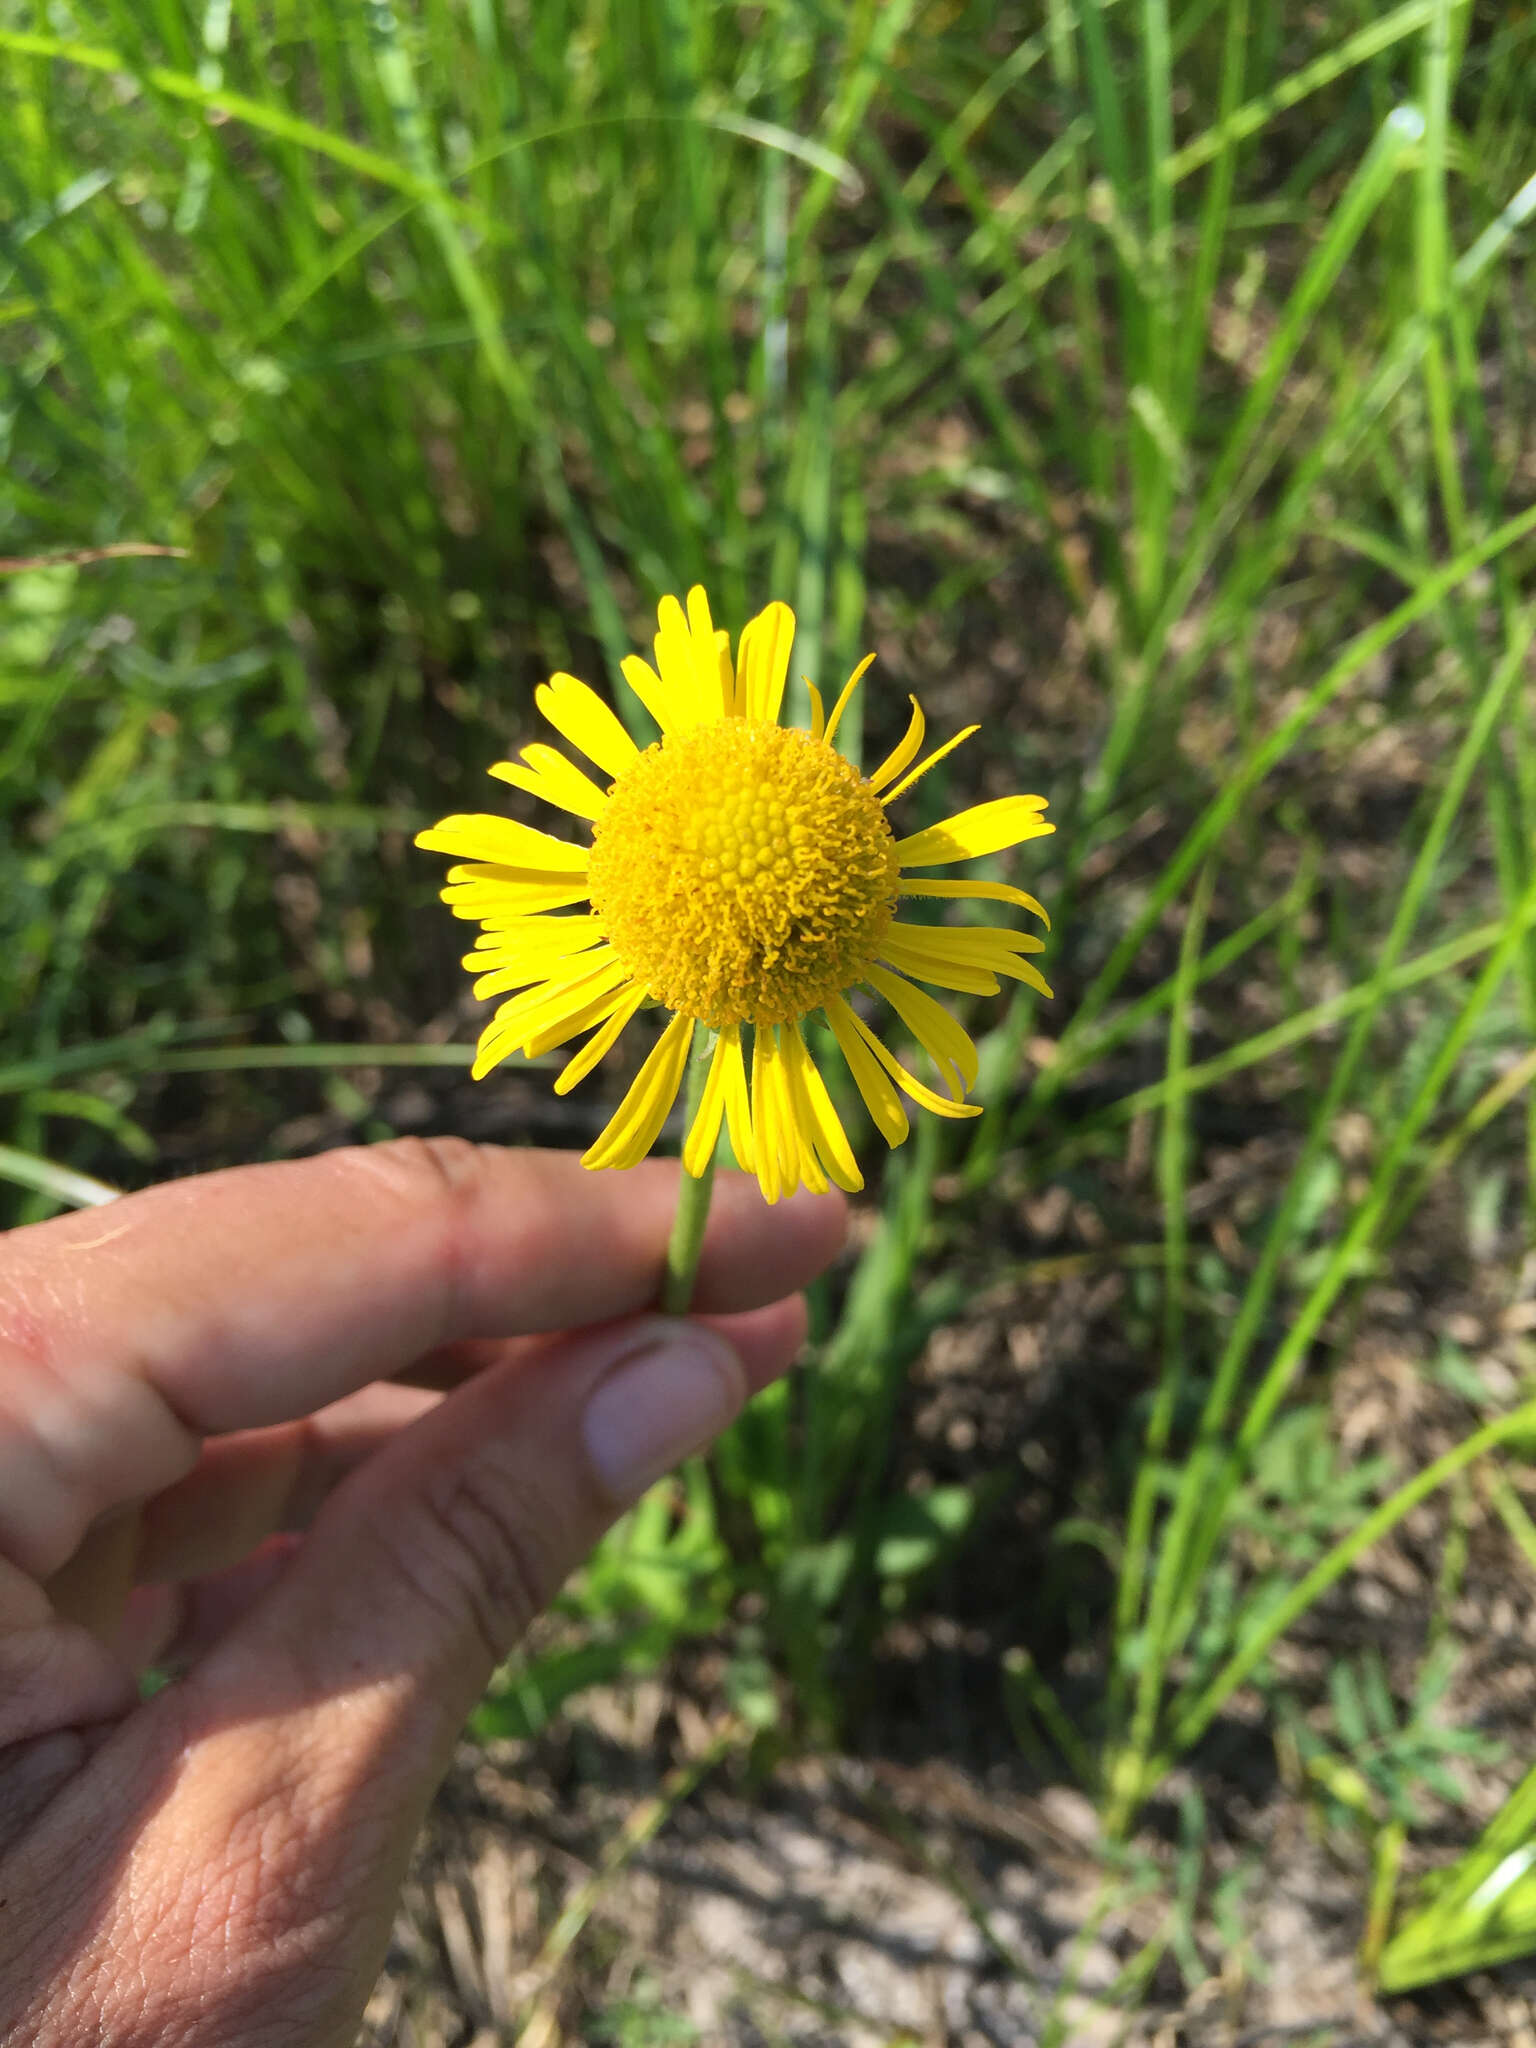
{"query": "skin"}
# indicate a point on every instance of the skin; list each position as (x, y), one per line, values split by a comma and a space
(324, 1436)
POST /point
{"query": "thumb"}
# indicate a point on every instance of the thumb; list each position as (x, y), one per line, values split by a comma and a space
(426, 1566)
(275, 1793)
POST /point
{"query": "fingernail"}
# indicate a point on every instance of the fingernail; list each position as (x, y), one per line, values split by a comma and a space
(661, 1403)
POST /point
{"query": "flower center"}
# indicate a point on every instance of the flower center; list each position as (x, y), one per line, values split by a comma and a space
(744, 872)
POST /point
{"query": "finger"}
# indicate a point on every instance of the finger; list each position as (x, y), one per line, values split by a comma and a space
(250, 1485)
(93, 1587)
(429, 1561)
(178, 1631)
(753, 1332)
(172, 1624)
(253, 1297)
(296, 1761)
(59, 1690)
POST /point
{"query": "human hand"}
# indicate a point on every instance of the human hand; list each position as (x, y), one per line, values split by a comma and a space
(327, 1434)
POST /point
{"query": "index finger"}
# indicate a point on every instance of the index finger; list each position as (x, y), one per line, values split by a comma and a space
(259, 1294)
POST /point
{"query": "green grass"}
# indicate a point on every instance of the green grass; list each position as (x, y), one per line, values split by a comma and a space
(1153, 378)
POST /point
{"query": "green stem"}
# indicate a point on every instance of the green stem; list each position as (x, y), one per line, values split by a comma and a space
(687, 1240)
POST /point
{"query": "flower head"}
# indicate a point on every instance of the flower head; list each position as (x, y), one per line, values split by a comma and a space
(744, 875)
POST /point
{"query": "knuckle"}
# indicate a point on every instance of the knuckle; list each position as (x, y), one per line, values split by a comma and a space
(482, 1552)
(438, 1182)
(425, 1173)
(26, 1331)
(455, 1164)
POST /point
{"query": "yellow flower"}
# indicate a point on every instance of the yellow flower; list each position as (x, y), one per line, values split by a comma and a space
(744, 875)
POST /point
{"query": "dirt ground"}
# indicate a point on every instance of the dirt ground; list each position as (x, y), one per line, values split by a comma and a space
(854, 1904)
(641, 1877)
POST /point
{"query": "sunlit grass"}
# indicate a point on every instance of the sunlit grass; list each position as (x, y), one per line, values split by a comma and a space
(1184, 354)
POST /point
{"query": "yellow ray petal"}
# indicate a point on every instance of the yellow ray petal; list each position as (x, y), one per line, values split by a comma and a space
(963, 975)
(1034, 978)
(818, 711)
(534, 932)
(498, 872)
(776, 1161)
(995, 892)
(762, 662)
(987, 828)
(944, 1041)
(693, 661)
(579, 715)
(499, 926)
(477, 836)
(908, 1083)
(636, 1123)
(566, 982)
(675, 663)
(531, 959)
(738, 1104)
(794, 1155)
(871, 1079)
(699, 1145)
(482, 891)
(515, 974)
(713, 685)
(543, 1033)
(963, 959)
(982, 944)
(843, 701)
(916, 774)
(764, 1131)
(580, 1064)
(549, 1006)
(654, 694)
(493, 1046)
(904, 752)
(506, 929)
(546, 773)
(551, 1002)
(701, 626)
(815, 1118)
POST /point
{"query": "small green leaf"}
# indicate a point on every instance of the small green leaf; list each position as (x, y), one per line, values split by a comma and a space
(919, 1528)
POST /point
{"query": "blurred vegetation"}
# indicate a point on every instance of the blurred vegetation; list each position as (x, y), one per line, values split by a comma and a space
(1151, 381)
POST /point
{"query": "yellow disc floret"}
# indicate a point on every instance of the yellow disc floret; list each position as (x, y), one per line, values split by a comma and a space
(743, 872)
